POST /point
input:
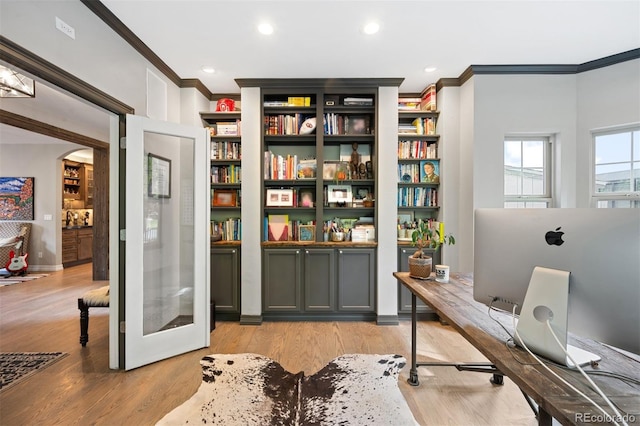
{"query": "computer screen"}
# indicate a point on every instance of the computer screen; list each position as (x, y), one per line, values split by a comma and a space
(599, 247)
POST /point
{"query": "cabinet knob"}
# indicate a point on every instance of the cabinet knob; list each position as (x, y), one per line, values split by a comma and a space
(340, 251)
(233, 251)
(297, 251)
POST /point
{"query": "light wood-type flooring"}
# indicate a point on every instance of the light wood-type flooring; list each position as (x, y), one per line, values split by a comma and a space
(80, 389)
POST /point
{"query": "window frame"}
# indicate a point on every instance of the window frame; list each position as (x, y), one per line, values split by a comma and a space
(548, 173)
(633, 197)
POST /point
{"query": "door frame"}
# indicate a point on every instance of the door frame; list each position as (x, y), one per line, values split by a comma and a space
(31, 63)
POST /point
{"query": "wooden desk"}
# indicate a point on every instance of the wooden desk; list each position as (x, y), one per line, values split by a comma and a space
(454, 303)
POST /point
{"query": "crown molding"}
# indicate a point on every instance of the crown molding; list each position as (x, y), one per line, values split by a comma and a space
(538, 69)
(323, 83)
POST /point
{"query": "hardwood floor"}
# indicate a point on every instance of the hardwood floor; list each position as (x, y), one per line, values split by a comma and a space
(80, 389)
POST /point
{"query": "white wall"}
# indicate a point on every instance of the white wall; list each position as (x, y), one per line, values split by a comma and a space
(44, 164)
(606, 97)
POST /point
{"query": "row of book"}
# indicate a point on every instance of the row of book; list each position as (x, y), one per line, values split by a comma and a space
(226, 128)
(288, 167)
(342, 124)
(417, 197)
(226, 174)
(283, 124)
(417, 149)
(230, 229)
(425, 102)
(226, 150)
(292, 101)
(409, 173)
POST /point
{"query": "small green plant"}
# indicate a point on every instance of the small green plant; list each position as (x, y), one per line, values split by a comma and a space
(425, 237)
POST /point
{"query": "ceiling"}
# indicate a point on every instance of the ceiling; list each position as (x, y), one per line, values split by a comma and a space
(323, 39)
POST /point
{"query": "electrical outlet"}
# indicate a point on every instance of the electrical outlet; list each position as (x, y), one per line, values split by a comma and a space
(65, 28)
(39, 255)
(48, 217)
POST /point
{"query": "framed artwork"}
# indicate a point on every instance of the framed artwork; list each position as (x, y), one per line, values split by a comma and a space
(430, 171)
(358, 125)
(279, 198)
(16, 198)
(305, 197)
(307, 233)
(339, 193)
(361, 192)
(159, 176)
(224, 198)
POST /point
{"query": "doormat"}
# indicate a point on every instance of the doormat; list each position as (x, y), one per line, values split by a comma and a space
(250, 389)
(10, 280)
(18, 366)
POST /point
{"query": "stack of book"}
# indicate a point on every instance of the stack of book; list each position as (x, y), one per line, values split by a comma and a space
(428, 98)
(409, 104)
(353, 101)
(226, 128)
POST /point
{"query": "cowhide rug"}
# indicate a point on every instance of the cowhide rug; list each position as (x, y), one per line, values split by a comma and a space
(250, 389)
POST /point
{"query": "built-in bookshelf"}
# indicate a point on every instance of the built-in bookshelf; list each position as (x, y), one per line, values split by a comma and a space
(225, 143)
(318, 174)
(418, 163)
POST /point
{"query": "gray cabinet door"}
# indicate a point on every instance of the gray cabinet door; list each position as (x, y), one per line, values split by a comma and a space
(282, 285)
(356, 280)
(224, 279)
(319, 280)
(404, 295)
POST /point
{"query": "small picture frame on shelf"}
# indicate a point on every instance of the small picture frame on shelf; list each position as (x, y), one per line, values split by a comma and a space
(361, 192)
(339, 194)
(358, 125)
(279, 198)
(224, 198)
(430, 171)
(306, 169)
(307, 233)
(306, 197)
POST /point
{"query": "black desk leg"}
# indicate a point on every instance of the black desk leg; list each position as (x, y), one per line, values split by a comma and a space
(413, 373)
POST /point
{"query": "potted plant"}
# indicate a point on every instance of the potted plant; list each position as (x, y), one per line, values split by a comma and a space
(423, 236)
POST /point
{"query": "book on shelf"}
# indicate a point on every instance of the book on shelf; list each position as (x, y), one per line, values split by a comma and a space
(225, 150)
(428, 98)
(278, 227)
(281, 167)
(226, 174)
(416, 149)
(230, 229)
(409, 103)
(342, 124)
(299, 101)
(226, 128)
(417, 197)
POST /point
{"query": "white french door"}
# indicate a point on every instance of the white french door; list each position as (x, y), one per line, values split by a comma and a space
(166, 240)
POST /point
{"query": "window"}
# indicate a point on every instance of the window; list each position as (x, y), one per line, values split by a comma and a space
(616, 168)
(527, 172)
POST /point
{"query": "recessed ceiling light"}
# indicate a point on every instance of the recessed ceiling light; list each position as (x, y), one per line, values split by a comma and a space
(371, 28)
(265, 28)
(430, 69)
(209, 70)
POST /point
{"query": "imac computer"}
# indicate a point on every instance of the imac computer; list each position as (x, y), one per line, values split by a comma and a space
(588, 275)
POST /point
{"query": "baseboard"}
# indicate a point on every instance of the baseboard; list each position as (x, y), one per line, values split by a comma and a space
(250, 319)
(387, 320)
(45, 268)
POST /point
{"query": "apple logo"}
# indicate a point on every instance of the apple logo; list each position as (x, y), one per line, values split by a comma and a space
(554, 238)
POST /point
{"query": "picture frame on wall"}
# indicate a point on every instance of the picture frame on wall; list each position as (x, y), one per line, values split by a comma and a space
(16, 198)
(159, 176)
(279, 198)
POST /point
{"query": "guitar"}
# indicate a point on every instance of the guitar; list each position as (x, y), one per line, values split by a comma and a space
(17, 264)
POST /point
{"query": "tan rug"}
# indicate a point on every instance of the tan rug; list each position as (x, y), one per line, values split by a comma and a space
(250, 389)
